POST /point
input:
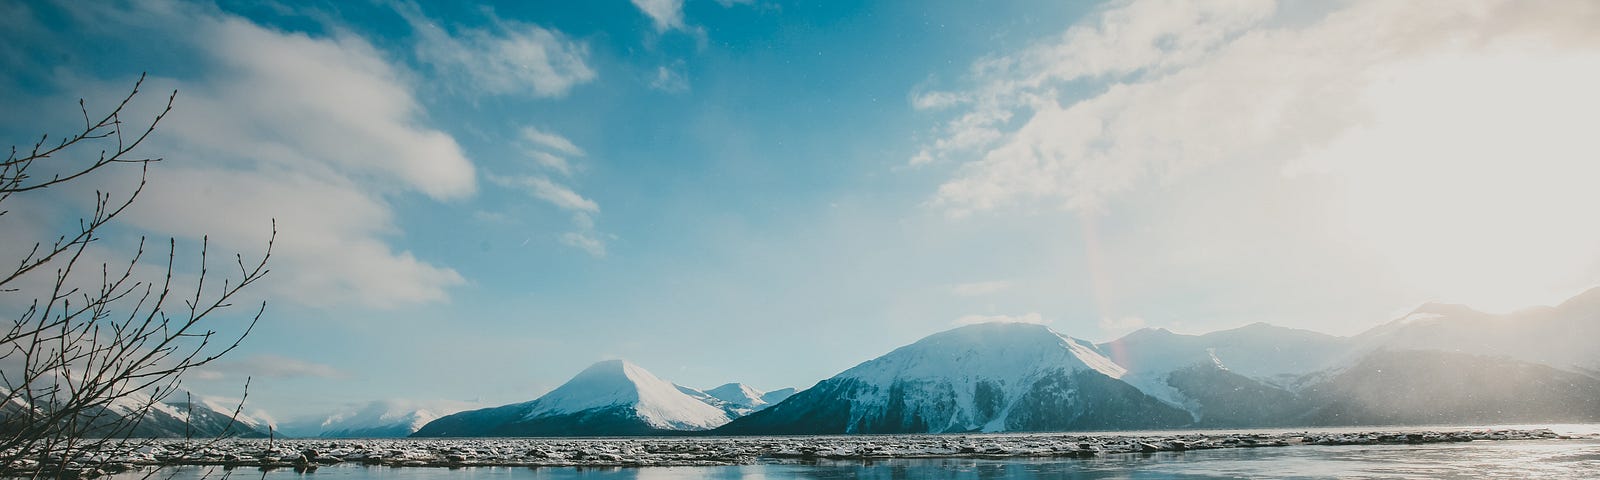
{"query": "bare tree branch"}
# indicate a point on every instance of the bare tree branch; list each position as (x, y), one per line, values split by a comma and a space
(84, 366)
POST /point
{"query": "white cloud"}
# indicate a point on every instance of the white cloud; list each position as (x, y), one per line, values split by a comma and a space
(583, 210)
(292, 100)
(1190, 85)
(585, 241)
(509, 58)
(980, 288)
(551, 141)
(551, 161)
(921, 158)
(669, 80)
(547, 149)
(549, 191)
(1033, 318)
(933, 100)
(1442, 138)
(665, 14)
(314, 132)
(324, 256)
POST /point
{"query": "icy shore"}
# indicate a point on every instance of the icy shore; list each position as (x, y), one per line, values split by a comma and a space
(712, 451)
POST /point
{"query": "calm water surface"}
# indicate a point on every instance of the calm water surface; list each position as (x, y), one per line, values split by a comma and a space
(1500, 459)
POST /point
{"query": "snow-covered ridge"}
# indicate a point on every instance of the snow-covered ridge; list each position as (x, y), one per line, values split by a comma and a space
(610, 383)
(392, 417)
(995, 351)
(738, 394)
(737, 399)
(1003, 360)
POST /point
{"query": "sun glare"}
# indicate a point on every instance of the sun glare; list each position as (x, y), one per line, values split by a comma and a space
(1475, 176)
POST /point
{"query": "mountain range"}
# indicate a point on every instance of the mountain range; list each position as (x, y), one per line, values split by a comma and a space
(139, 415)
(612, 397)
(1439, 364)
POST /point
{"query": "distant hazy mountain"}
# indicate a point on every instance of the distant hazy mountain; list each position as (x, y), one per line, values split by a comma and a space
(612, 397)
(1564, 336)
(1264, 353)
(1433, 387)
(737, 399)
(1226, 378)
(376, 419)
(988, 377)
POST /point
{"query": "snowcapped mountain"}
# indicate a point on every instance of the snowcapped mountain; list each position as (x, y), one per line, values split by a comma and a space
(219, 413)
(1257, 350)
(986, 377)
(1418, 387)
(612, 397)
(738, 394)
(737, 399)
(377, 419)
(1562, 336)
(178, 415)
(1262, 375)
(1438, 364)
(1274, 356)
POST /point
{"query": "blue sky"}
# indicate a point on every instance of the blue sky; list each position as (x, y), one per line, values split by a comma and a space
(475, 202)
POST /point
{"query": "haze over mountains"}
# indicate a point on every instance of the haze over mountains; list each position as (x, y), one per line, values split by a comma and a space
(1438, 364)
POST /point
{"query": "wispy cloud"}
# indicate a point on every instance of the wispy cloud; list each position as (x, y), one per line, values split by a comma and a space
(665, 14)
(1191, 85)
(549, 191)
(508, 58)
(543, 147)
(551, 141)
(670, 80)
(586, 241)
(549, 150)
(1423, 130)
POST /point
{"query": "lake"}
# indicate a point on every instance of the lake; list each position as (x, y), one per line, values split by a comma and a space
(1577, 458)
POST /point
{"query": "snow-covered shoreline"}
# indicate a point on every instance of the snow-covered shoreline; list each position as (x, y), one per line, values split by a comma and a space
(713, 451)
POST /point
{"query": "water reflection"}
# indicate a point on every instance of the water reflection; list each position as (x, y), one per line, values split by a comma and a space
(1519, 459)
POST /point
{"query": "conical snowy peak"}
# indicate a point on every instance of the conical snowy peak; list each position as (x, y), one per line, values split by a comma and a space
(610, 382)
(613, 397)
(657, 402)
